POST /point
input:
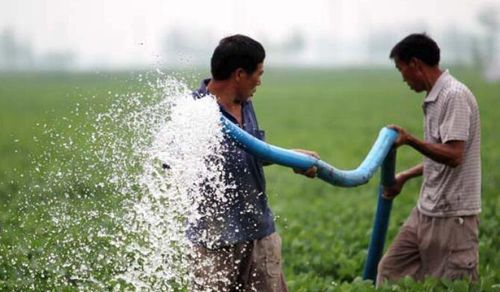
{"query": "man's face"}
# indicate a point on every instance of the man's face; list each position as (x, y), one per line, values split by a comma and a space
(411, 74)
(248, 82)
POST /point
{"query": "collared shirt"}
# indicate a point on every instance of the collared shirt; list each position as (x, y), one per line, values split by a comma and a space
(246, 215)
(451, 114)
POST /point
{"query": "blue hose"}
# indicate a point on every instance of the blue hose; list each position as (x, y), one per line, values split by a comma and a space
(326, 172)
(381, 154)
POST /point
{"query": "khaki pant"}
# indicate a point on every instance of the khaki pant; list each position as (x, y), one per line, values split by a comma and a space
(432, 246)
(249, 266)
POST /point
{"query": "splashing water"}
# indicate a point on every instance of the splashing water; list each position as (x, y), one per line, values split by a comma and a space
(106, 214)
(189, 146)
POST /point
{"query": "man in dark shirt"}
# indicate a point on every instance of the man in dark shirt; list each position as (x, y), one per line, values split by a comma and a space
(245, 254)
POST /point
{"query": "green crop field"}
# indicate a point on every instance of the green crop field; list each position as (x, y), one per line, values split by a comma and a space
(325, 229)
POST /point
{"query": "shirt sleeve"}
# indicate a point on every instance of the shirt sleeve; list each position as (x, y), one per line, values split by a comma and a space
(456, 118)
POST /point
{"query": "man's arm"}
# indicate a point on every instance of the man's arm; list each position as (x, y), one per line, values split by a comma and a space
(450, 153)
(401, 179)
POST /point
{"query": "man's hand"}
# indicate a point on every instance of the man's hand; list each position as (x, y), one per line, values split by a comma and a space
(311, 172)
(403, 135)
(450, 153)
(394, 190)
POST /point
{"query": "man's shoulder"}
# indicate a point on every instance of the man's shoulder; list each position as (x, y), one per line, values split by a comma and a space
(198, 93)
(454, 88)
(202, 91)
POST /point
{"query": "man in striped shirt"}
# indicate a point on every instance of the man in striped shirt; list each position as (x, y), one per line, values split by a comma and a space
(440, 237)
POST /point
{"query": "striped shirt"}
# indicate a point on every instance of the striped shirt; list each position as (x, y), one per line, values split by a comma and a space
(451, 114)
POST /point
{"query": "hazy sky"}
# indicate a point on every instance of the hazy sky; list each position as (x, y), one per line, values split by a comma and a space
(125, 32)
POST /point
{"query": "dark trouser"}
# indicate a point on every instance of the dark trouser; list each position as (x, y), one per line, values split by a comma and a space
(431, 246)
(248, 266)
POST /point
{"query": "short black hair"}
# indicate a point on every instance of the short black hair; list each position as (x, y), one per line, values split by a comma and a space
(417, 45)
(233, 52)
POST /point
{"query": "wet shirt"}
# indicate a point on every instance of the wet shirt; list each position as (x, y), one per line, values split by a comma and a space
(451, 114)
(246, 215)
